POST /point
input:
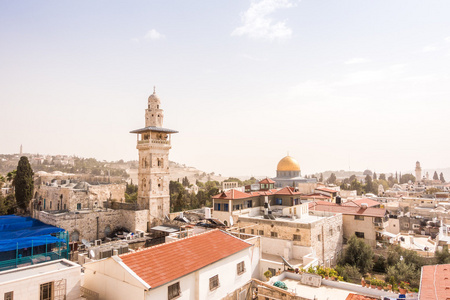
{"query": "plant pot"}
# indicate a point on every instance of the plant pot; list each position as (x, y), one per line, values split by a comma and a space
(379, 287)
(402, 291)
(373, 286)
(389, 287)
(367, 285)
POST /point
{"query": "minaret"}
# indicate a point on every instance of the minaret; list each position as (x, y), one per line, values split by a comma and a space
(418, 172)
(153, 144)
(20, 149)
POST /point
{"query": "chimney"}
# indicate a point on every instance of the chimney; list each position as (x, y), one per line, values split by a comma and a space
(364, 205)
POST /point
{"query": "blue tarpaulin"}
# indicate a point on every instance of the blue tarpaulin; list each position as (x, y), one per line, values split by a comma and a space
(24, 232)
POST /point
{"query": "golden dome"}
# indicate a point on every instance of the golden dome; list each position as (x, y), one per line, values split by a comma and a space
(288, 164)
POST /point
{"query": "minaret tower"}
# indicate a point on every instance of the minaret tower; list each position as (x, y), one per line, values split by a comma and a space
(418, 172)
(153, 144)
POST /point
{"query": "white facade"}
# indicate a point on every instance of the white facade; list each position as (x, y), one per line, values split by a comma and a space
(62, 275)
(113, 280)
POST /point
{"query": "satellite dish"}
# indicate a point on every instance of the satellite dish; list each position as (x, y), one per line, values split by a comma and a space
(231, 221)
(92, 253)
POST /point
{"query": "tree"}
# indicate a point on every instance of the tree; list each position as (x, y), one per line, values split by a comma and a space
(442, 257)
(358, 254)
(368, 187)
(321, 177)
(374, 176)
(382, 176)
(367, 172)
(407, 178)
(441, 178)
(23, 183)
(331, 179)
(435, 176)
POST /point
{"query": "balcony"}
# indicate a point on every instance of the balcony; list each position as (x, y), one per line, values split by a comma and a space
(146, 142)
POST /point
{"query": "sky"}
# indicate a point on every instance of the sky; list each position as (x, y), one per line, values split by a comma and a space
(339, 85)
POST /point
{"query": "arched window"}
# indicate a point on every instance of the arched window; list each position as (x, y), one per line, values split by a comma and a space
(75, 236)
(107, 230)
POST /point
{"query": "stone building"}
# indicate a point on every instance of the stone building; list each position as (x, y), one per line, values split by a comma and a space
(153, 144)
(289, 174)
(75, 196)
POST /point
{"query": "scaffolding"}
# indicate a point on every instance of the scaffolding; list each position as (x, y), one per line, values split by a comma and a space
(27, 241)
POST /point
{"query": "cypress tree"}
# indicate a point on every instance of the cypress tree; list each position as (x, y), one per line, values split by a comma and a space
(23, 183)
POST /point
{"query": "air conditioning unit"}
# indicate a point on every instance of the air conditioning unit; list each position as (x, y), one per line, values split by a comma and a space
(105, 252)
(140, 234)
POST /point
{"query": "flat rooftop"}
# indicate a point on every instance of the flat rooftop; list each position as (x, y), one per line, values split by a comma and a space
(30, 271)
(305, 219)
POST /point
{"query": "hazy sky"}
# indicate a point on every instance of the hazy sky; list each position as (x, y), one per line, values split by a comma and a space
(338, 84)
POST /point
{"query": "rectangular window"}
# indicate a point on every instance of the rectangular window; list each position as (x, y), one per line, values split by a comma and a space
(378, 220)
(78, 206)
(46, 291)
(297, 237)
(319, 237)
(359, 234)
(278, 201)
(249, 203)
(331, 231)
(357, 217)
(214, 282)
(240, 268)
(225, 207)
(253, 231)
(242, 230)
(260, 232)
(274, 234)
(174, 290)
(9, 296)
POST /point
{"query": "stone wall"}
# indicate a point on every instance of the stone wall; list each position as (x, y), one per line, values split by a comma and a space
(85, 222)
(62, 197)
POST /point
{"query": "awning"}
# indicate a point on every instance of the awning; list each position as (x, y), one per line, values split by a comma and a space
(165, 229)
(388, 234)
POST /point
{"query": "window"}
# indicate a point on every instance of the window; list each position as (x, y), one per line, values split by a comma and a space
(406, 225)
(339, 228)
(46, 291)
(174, 290)
(249, 203)
(242, 230)
(416, 226)
(297, 237)
(331, 231)
(214, 282)
(78, 206)
(378, 220)
(319, 237)
(274, 234)
(240, 268)
(9, 296)
(357, 217)
(278, 201)
(260, 232)
(225, 207)
(359, 234)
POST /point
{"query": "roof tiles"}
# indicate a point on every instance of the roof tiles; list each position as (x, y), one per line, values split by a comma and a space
(435, 282)
(166, 262)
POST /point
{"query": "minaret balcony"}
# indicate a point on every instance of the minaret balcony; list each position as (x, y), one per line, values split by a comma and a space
(152, 141)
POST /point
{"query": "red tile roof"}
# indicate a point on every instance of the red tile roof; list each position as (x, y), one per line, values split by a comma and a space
(326, 190)
(358, 202)
(435, 282)
(166, 262)
(232, 194)
(349, 210)
(352, 296)
(267, 180)
(287, 191)
(315, 196)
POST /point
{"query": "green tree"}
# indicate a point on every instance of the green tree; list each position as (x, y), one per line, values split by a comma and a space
(441, 177)
(321, 177)
(234, 179)
(368, 187)
(435, 176)
(442, 257)
(2, 181)
(382, 176)
(374, 176)
(23, 183)
(331, 179)
(407, 177)
(358, 254)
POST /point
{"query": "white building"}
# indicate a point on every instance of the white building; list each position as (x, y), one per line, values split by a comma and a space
(53, 280)
(209, 265)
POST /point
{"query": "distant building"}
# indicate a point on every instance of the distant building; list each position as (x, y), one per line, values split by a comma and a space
(289, 174)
